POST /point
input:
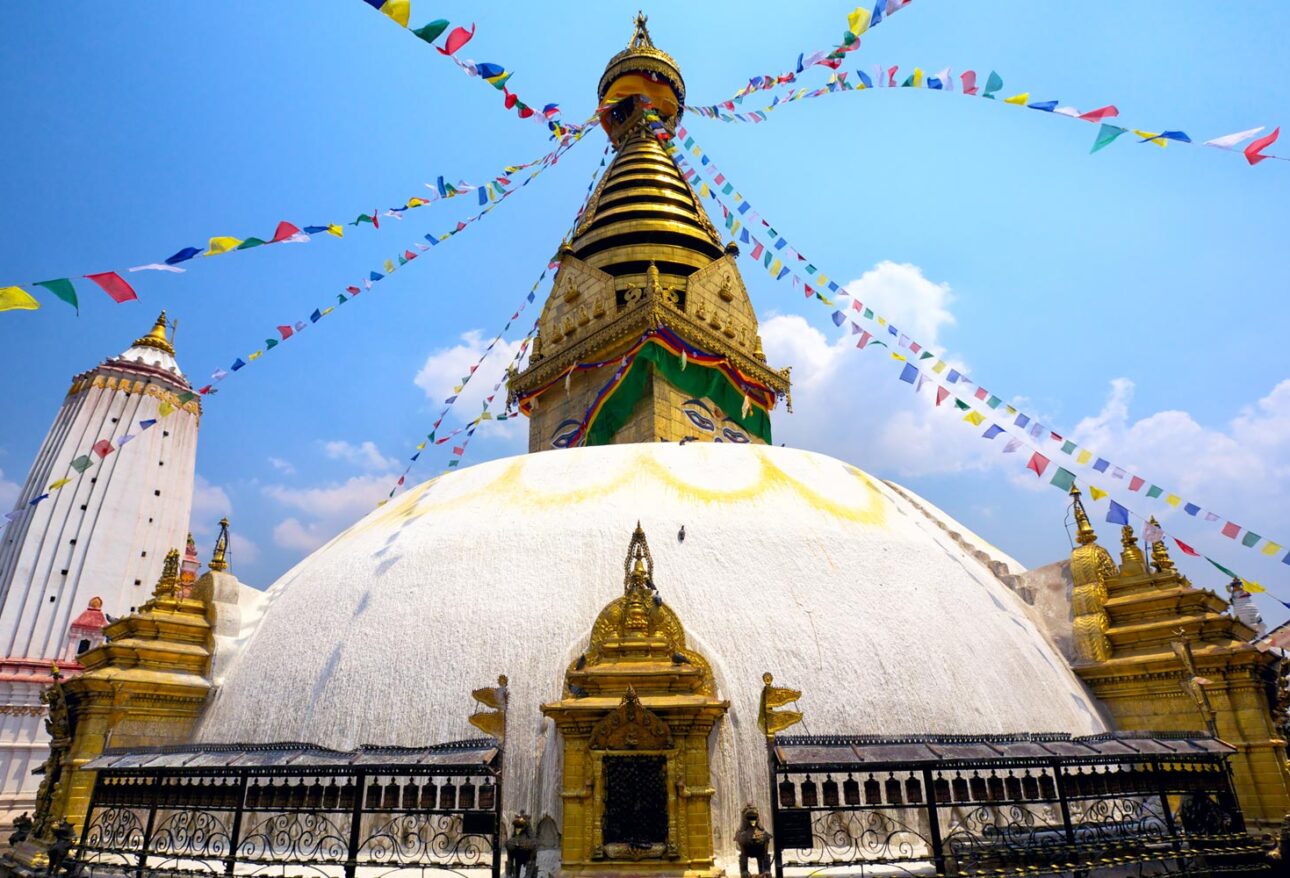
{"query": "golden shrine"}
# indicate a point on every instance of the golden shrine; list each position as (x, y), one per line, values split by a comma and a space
(635, 719)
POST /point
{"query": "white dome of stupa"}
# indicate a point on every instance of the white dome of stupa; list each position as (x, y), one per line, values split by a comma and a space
(792, 562)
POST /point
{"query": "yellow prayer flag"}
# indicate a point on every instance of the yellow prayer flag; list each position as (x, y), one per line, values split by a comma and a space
(326, 311)
(882, 321)
(58, 484)
(1084, 457)
(823, 280)
(421, 446)
(1095, 492)
(399, 10)
(918, 77)
(1173, 500)
(389, 266)
(416, 202)
(939, 367)
(896, 356)
(17, 299)
(486, 417)
(1252, 587)
(858, 20)
(1020, 100)
(458, 388)
(975, 418)
(1154, 138)
(1010, 409)
(222, 244)
(775, 267)
(333, 229)
(256, 355)
(703, 190)
(1271, 549)
(165, 409)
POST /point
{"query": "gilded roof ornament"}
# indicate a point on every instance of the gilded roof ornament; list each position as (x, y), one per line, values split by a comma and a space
(638, 568)
(169, 580)
(1084, 533)
(1132, 561)
(1160, 554)
(219, 557)
(770, 720)
(156, 337)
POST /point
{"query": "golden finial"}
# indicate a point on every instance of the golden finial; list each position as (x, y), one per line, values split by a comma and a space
(1159, 554)
(54, 672)
(1084, 533)
(169, 580)
(156, 337)
(640, 37)
(219, 557)
(1132, 562)
(638, 568)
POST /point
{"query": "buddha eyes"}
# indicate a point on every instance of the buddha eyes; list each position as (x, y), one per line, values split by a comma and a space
(700, 421)
(733, 435)
(565, 433)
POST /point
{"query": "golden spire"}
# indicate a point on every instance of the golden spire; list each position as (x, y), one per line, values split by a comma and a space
(169, 580)
(219, 560)
(1132, 562)
(156, 337)
(1084, 533)
(1159, 554)
(639, 565)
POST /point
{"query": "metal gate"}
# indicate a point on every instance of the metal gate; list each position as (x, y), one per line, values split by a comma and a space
(260, 809)
(1008, 804)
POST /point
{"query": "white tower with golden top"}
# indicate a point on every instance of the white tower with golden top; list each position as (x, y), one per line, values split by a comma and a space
(100, 541)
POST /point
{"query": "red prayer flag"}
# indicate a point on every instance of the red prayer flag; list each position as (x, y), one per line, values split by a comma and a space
(1252, 152)
(1231, 530)
(1186, 549)
(969, 82)
(352, 290)
(285, 230)
(458, 38)
(864, 339)
(103, 448)
(114, 285)
(1135, 483)
(1038, 463)
(458, 450)
(205, 390)
(525, 112)
(510, 99)
(286, 332)
(941, 395)
(409, 255)
(757, 248)
(856, 306)
(981, 393)
(376, 219)
(1100, 113)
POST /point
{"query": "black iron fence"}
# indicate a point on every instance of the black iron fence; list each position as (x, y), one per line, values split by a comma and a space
(1021, 804)
(279, 808)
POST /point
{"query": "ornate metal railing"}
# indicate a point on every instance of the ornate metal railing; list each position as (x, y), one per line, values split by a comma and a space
(1019, 804)
(294, 809)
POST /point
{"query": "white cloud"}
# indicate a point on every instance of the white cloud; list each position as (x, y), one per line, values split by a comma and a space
(365, 455)
(8, 492)
(327, 509)
(290, 533)
(210, 504)
(445, 367)
(899, 292)
(243, 550)
(283, 466)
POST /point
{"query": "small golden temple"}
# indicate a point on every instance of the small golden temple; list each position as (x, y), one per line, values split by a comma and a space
(959, 715)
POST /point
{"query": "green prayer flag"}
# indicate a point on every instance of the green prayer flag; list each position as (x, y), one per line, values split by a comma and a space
(63, 289)
(1106, 136)
(1068, 446)
(962, 405)
(270, 344)
(1250, 539)
(993, 402)
(1222, 568)
(926, 355)
(251, 242)
(82, 463)
(868, 313)
(340, 299)
(186, 397)
(1063, 479)
(431, 32)
(1155, 491)
(992, 84)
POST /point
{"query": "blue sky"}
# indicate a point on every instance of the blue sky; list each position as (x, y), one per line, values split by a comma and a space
(1133, 298)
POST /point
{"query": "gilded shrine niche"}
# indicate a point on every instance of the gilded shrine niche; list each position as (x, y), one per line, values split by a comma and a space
(638, 708)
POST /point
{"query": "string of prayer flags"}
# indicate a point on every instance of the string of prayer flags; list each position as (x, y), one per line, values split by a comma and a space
(804, 270)
(859, 20)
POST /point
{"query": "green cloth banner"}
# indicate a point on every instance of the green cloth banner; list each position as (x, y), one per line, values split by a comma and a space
(699, 381)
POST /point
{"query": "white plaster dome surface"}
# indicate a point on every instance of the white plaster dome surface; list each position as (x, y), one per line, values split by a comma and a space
(792, 562)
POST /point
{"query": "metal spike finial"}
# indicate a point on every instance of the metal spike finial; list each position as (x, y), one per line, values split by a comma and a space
(1084, 533)
(219, 557)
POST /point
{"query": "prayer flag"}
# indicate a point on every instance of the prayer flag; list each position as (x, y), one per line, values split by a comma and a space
(941, 393)
(62, 288)
(159, 266)
(993, 83)
(1046, 106)
(34, 500)
(1084, 457)
(147, 424)
(975, 418)
(1230, 530)
(222, 244)
(1063, 479)
(399, 10)
(1136, 483)
(1191, 509)
(183, 255)
(865, 336)
(1019, 100)
(1100, 113)
(432, 31)
(286, 332)
(1095, 492)
(1117, 514)
(991, 431)
(1227, 141)
(1068, 446)
(1151, 137)
(1101, 464)
(858, 20)
(82, 463)
(1186, 549)
(1155, 491)
(1038, 463)
(103, 448)
(1253, 152)
(969, 82)
(1106, 135)
(458, 38)
(17, 299)
(1151, 533)
(249, 243)
(316, 316)
(284, 231)
(909, 373)
(1271, 549)
(114, 286)
(1013, 445)
(54, 486)
(333, 229)
(1250, 539)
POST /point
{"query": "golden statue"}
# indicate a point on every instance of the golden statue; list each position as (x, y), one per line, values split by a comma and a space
(772, 721)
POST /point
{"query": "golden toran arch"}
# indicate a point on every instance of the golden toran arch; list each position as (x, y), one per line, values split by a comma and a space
(640, 703)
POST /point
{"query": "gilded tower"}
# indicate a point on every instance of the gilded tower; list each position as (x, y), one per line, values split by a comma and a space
(648, 334)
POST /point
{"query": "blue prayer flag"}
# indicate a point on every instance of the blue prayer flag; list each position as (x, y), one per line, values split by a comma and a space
(374, 276)
(34, 500)
(314, 230)
(1117, 514)
(1022, 420)
(868, 83)
(1101, 464)
(443, 190)
(237, 364)
(1191, 509)
(877, 12)
(992, 431)
(183, 255)
(1046, 106)
(316, 316)
(483, 195)
(954, 376)
(839, 318)
(909, 374)
(148, 424)
(433, 240)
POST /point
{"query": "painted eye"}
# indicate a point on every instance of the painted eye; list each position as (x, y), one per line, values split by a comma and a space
(733, 435)
(565, 434)
(700, 421)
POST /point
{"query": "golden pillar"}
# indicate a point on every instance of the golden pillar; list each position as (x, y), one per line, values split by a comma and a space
(638, 709)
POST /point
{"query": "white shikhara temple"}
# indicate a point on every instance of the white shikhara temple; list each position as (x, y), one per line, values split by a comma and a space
(95, 547)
